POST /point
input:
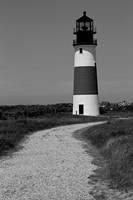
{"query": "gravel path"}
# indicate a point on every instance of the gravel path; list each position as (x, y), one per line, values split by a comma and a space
(51, 165)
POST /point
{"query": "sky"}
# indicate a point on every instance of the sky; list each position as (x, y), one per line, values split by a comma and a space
(37, 56)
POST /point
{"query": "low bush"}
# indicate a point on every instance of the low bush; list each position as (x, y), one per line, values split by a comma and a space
(121, 162)
(115, 142)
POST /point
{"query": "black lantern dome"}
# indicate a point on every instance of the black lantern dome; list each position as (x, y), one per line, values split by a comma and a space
(84, 31)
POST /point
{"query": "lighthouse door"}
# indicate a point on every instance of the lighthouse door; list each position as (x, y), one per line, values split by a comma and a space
(81, 109)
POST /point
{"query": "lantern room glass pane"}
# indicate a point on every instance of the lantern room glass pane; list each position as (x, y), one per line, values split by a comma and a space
(83, 26)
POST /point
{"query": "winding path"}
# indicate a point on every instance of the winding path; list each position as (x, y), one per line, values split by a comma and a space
(52, 165)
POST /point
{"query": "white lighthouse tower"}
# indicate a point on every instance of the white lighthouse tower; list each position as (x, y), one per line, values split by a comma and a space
(85, 94)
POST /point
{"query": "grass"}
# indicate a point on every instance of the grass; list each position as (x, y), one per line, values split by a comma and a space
(119, 113)
(114, 140)
(13, 132)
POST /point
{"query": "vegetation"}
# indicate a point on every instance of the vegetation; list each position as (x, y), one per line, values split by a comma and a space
(32, 111)
(115, 143)
(13, 132)
(118, 113)
(37, 111)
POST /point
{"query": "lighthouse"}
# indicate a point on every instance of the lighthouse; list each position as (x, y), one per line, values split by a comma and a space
(85, 91)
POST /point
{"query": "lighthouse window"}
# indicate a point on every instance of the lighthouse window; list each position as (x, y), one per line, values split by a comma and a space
(81, 50)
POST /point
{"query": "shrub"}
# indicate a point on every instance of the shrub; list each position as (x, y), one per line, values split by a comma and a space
(115, 142)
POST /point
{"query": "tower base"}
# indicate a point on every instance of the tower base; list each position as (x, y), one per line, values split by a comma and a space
(85, 105)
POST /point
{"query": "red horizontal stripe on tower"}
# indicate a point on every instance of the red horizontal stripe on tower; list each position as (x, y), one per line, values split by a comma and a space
(85, 80)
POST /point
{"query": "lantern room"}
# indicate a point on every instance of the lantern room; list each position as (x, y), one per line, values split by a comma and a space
(84, 31)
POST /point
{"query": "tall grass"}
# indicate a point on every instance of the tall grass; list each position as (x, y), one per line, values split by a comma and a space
(115, 143)
(12, 132)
